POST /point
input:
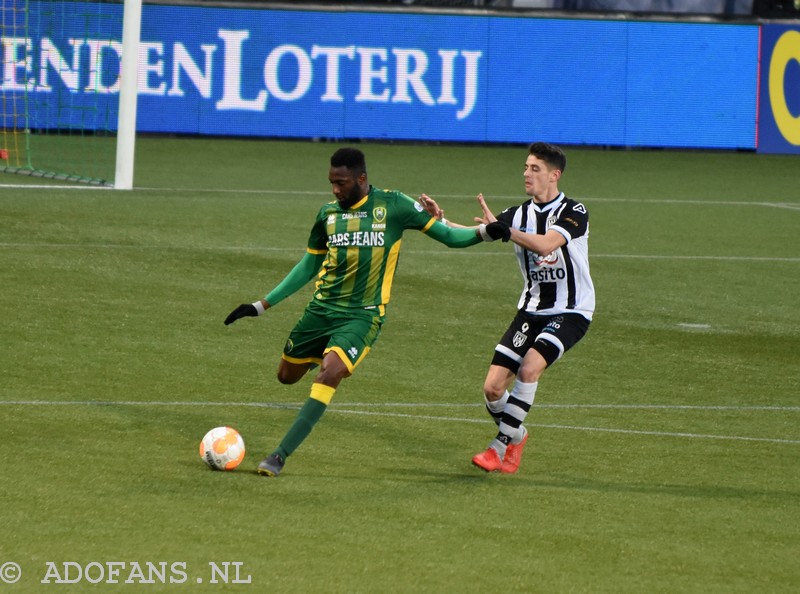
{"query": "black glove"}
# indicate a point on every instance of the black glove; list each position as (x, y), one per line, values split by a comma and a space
(243, 311)
(498, 230)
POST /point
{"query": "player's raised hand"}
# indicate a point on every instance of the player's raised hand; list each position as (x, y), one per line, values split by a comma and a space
(487, 217)
(431, 207)
(245, 310)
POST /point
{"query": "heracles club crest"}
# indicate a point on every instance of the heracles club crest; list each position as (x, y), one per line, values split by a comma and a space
(520, 337)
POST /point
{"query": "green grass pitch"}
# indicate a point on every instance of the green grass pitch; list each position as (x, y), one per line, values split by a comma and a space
(665, 448)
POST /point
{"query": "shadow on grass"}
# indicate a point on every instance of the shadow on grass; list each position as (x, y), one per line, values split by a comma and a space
(474, 476)
(562, 481)
(470, 476)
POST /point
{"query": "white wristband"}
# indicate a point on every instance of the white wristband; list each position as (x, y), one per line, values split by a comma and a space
(259, 307)
(443, 221)
(484, 235)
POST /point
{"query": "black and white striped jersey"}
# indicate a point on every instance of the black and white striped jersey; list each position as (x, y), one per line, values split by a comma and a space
(559, 282)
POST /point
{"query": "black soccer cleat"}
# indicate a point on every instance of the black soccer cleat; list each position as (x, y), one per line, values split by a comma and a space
(271, 466)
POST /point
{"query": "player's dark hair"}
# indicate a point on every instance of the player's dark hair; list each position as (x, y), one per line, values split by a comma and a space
(550, 154)
(351, 158)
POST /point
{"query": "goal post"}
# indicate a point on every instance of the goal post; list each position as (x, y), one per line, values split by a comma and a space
(68, 92)
(126, 121)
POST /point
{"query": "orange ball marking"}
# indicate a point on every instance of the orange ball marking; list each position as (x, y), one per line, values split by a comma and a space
(236, 461)
(220, 446)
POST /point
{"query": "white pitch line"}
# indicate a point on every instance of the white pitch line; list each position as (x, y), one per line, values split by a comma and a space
(122, 246)
(513, 198)
(669, 434)
(788, 205)
(712, 407)
(256, 249)
(54, 187)
(335, 409)
(577, 428)
(695, 257)
(292, 405)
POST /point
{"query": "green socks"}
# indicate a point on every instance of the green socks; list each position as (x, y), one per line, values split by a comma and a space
(303, 424)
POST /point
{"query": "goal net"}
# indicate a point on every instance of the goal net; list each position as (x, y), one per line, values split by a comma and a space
(61, 80)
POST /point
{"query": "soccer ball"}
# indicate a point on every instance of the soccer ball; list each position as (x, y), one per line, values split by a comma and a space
(222, 448)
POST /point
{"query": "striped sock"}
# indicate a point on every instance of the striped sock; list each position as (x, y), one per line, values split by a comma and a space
(495, 407)
(519, 403)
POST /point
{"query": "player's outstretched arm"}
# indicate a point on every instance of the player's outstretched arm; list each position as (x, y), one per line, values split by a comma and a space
(467, 236)
(541, 244)
(306, 269)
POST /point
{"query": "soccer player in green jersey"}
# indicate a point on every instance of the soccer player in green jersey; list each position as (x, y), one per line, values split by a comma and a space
(352, 252)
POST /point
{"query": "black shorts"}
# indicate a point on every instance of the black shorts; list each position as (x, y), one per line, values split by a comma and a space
(551, 336)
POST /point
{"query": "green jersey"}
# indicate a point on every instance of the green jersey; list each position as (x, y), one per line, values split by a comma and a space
(363, 245)
(353, 252)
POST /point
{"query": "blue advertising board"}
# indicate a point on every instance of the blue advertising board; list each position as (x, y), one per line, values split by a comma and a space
(428, 77)
(779, 110)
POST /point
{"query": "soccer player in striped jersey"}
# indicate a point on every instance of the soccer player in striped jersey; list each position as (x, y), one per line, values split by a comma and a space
(550, 233)
(352, 252)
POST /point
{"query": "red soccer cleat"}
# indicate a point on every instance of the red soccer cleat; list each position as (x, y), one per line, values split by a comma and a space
(513, 456)
(489, 460)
